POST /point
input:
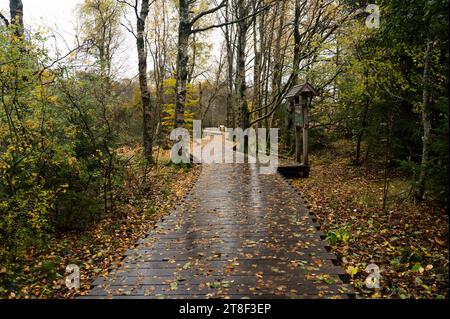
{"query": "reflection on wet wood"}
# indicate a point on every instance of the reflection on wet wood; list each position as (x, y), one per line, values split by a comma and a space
(238, 234)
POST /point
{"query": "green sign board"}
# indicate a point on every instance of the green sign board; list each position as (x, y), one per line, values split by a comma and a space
(298, 119)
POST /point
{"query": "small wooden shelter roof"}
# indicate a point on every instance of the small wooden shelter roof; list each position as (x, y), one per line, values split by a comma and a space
(302, 88)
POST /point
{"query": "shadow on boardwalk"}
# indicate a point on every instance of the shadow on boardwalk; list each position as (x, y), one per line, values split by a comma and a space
(238, 234)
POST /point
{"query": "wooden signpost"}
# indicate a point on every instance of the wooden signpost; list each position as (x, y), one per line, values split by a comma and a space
(300, 97)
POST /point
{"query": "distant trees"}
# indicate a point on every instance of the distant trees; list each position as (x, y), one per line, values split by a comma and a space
(162, 47)
(186, 27)
(100, 26)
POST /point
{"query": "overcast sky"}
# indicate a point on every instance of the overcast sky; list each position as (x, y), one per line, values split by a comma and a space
(59, 16)
(58, 12)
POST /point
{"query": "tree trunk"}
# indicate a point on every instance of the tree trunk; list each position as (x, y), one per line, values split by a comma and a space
(305, 111)
(257, 64)
(297, 41)
(364, 123)
(184, 29)
(231, 121)
(16, 11)
(426, 122)
(277, 60)
(268, 64)
(241, 85)
(143, 84)
(298, 144)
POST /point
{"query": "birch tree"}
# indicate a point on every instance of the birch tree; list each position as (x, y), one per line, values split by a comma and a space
(185, 30)
(100, 25)
(187, 27)
(141, 10)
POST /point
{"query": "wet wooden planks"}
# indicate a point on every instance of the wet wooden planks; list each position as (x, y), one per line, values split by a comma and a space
(238, 234)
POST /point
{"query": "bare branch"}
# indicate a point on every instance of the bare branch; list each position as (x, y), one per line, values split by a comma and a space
(231, 22)
(207, 12)
(5, 20)
(46, 67)
(129, 29)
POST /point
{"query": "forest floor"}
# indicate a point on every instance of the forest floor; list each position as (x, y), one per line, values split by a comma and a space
(238, 234)
(41, 273)
(408, 241)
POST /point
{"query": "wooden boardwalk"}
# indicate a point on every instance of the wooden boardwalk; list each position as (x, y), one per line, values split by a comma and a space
(238, 234)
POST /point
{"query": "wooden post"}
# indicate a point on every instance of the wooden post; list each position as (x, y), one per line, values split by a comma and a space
(305, 112)
(298, 143)
(298, 121)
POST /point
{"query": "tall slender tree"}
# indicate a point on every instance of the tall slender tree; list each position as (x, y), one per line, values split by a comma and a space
(185, 30)
(141, 10)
